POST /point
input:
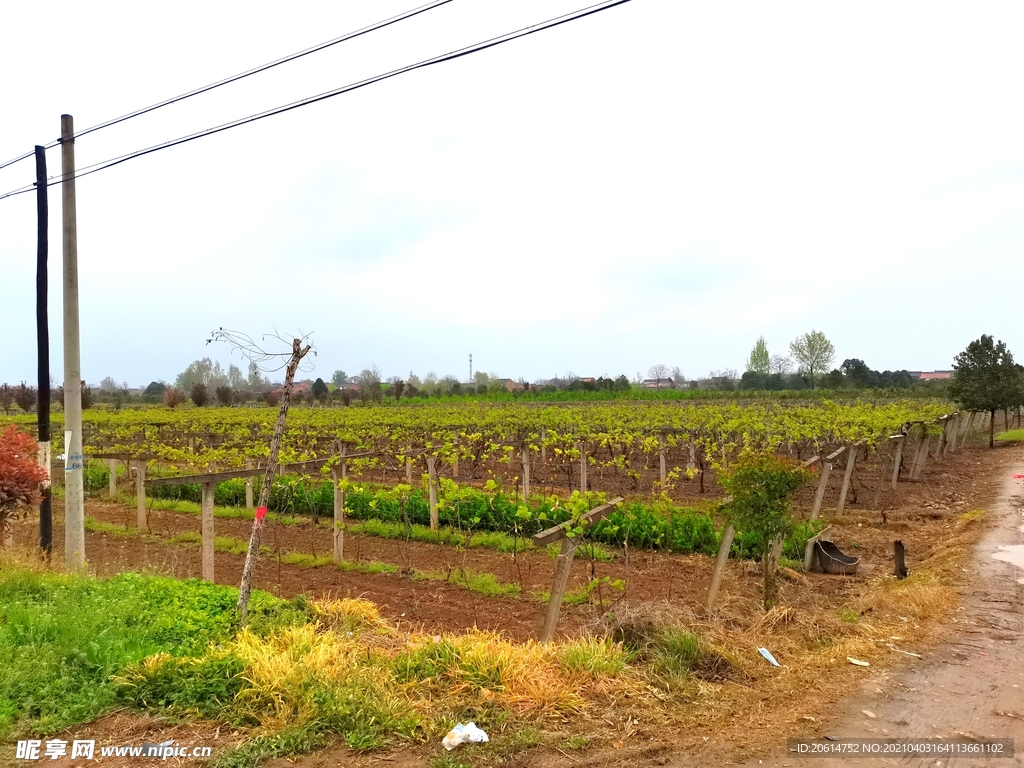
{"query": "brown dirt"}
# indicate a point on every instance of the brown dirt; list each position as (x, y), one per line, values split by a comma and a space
(921, 513)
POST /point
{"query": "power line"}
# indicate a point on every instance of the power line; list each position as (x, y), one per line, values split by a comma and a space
(470, 49)
(241, 75)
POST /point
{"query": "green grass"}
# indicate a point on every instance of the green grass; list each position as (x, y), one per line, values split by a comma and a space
(586, 551)
(63, 637)
(187, 537)
(451, 537)
(678, 652)
(576, 742)
(306, 561)
(597, 657)
(194, 508)
(98, 526)
(482, 582)
(578, 596)
(1011, 436)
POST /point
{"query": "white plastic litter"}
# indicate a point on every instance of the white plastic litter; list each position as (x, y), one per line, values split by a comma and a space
(768, 657)
(460, 734)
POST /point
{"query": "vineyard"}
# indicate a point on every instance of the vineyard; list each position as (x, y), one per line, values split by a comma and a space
(620, 441)
(435, 507)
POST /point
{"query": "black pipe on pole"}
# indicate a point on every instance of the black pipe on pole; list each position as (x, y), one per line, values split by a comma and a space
(43, 343)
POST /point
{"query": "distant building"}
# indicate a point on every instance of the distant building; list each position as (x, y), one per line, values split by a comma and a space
(298, 387)
(666, 383)
(935, 375)
(509, 385)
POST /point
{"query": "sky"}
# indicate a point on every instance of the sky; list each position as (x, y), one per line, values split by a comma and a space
(662, 182)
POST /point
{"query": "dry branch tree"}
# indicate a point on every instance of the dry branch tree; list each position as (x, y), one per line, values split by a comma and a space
(256, 354)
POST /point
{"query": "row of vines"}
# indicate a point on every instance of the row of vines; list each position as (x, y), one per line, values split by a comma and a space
(487, 440)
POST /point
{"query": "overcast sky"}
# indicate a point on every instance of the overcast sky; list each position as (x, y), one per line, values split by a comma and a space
(659, 183)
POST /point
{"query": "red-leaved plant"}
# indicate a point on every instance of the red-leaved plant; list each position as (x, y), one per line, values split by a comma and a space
(20, 476)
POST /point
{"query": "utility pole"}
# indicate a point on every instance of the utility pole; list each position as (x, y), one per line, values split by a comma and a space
(43, 344)
(74, 496)
(471, 366)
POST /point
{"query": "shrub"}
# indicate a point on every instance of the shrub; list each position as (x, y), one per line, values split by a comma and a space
(20, 475)
(25, 396)
(199, 394)
(225, 395)
(173, 397)
(761, 486)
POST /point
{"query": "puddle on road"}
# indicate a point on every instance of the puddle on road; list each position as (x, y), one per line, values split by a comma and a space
(1012, 554)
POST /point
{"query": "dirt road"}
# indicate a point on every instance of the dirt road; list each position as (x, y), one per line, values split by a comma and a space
(969, 686)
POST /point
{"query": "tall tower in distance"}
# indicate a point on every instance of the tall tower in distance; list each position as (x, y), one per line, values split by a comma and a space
(471, 366)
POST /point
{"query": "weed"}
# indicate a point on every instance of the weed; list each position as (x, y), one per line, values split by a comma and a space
(576, 742)
(98, 526)
(307, 561)
(594, 657)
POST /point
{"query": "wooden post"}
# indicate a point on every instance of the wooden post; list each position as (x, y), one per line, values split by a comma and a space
(543, 446)
(661, 456)
(826, 470)
(691, 461)
(954, 426)
(967, 429)
(723, 558)
(140, 495)
(583, 466)
(455, 463)
(408, 464)
(921, 443)
(851, 460)
(941, 444)
(525, 453)
(899, 556)
(919, 468)
(565, 558)
(562, 568)
(248, 486)
(339, 517)
(882, 474)
(432, 472)
(112, 480)
(898, 460)
(207, 525)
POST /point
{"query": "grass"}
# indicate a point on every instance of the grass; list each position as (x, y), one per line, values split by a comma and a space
(587, 550)
(307, 561)
(63, 637)
(970, 515)
(476, 581)
(1011, 436)
(98, 526)
(194, 508)
(580, 595)
(450, 537)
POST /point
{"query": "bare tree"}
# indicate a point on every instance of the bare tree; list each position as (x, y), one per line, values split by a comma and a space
(291, 360)
(780, 364)
(658, 372)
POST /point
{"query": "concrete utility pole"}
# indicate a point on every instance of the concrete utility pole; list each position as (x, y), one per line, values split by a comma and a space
(74, 499)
